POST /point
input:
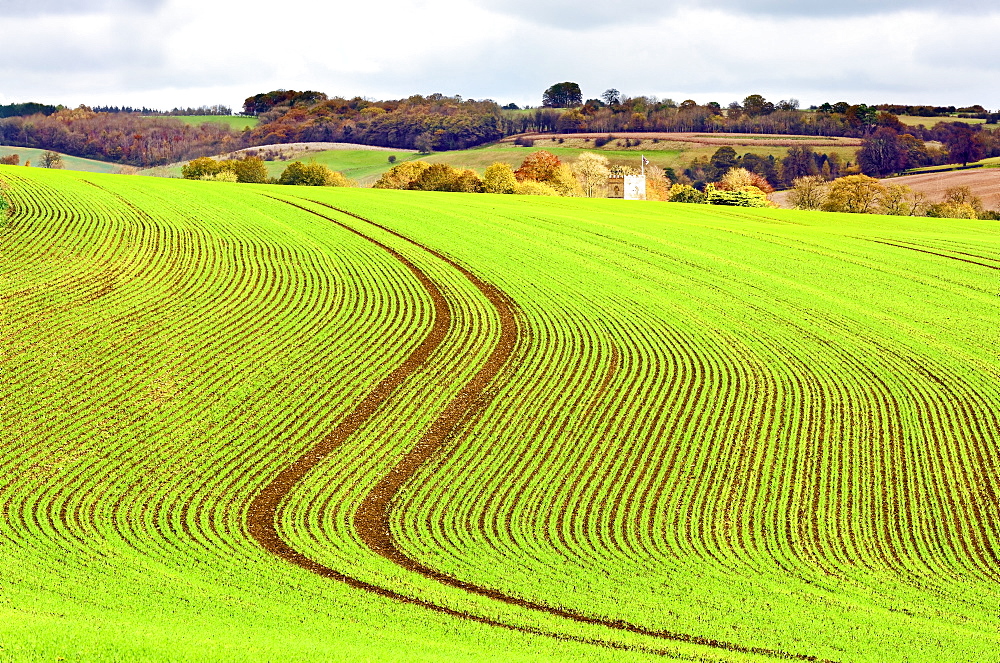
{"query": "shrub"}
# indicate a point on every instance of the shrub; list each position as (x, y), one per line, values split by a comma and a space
(855, 194)
(747, 196)
(808, 192)
(533, 188)
(737, 178)
(442, 177)
(200, 168)
(222, 176)
(685, 193)
(499, 178)
(311, 174)
(402, 175)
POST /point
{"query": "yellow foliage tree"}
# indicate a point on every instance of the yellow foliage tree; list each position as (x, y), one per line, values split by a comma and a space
(401, 176)
(499, 178)
(592, 171)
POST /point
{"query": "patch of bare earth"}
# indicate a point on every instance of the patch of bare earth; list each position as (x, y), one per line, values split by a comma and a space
(984, 182)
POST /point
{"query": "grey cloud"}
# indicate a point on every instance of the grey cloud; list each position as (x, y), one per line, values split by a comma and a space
(32, 8)
(574, 15)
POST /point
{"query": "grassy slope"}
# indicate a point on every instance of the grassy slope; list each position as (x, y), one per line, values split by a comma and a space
(236, 123)
(363, 166)
(759, 367)
(913, 120)
(69, 162)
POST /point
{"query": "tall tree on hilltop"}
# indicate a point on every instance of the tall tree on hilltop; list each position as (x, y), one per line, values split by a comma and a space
(563, 95)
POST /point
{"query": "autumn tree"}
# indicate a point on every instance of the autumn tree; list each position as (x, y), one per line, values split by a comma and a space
(685, 193)
(499, 178)
(199, 168)
(882, 154)
(808, 192)
(591, 170)
(311, 174)
(562, 95)
(540, 166)
(959, 203)
(51, 160)
(249, 170)
(799, 161)
(740, 178)
(901, 200)
(856, 194)
(962, 144)
(402, 175)
(10, 160)
(442, 177)
(533, 188)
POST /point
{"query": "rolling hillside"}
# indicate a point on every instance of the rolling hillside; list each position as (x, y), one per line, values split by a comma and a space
(257, 423)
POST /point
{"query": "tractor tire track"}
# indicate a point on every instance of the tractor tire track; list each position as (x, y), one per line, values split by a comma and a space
(261, 518)
(373, 518)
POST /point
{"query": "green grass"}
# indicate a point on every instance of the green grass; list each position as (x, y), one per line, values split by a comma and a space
(69, 162)
(768, 428)
(235, 122)
(914, 120)
(362, 166)
(992, 162)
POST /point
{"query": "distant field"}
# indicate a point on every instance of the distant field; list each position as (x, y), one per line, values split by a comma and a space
(235, 122)
(991, 162)
(251, 423)
(672, 154)
(913, 120)
(984, 182)
(654, 138)
(69, 163)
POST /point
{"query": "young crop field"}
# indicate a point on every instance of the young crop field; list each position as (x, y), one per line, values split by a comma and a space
(260, 423)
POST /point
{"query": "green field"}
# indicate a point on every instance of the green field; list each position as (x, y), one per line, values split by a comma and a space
(362, 166)
(914, 120)
(69, 162)
(234, 122)
(260, 423)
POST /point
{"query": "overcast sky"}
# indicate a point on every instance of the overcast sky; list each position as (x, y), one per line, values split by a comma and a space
(165, 53)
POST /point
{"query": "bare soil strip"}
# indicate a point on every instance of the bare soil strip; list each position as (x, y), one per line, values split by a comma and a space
(372, 520)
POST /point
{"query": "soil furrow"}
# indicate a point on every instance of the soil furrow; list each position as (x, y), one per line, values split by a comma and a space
(373, 517)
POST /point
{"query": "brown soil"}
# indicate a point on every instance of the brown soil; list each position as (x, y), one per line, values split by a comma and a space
(984, 182)
(372, 520)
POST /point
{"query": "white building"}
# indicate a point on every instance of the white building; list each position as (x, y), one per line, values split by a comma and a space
(629, 187)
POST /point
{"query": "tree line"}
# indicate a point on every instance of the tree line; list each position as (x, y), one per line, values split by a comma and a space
(125, 138)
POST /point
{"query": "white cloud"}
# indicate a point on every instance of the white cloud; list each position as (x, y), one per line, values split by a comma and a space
(193, 52)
